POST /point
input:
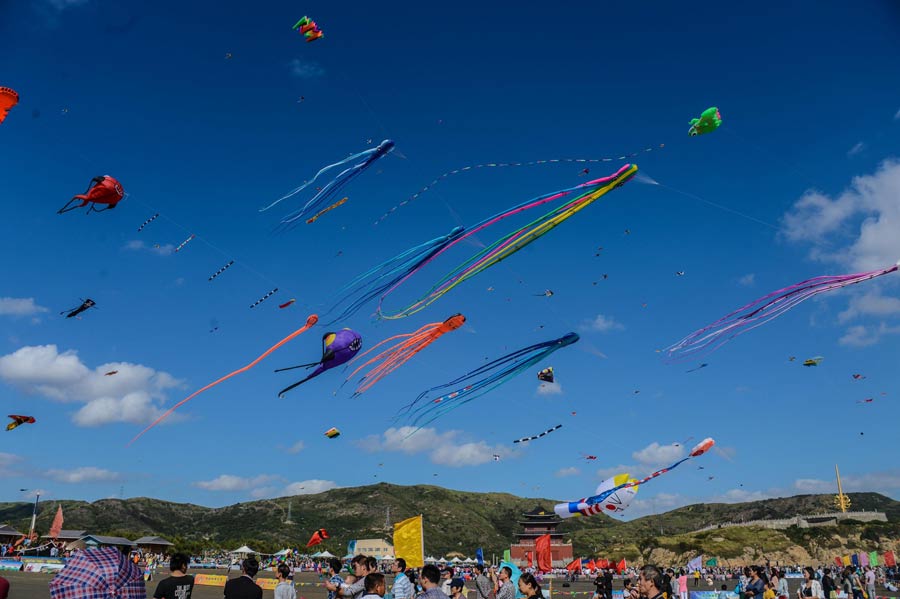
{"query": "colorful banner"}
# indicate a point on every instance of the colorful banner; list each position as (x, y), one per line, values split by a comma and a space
(889, 559)
(210, 580)
(854, 559)
(409, 542)
(873, 558)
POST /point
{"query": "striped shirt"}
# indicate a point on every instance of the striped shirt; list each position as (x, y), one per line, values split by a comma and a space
(402, 588)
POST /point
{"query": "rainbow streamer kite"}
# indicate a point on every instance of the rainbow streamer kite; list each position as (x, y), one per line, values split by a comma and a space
(511, 243)
(477, 382)
(765, 309)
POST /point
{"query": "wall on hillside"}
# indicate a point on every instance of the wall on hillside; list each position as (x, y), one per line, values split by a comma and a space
(811, 521)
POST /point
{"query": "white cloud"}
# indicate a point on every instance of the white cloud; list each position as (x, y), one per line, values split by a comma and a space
(134, 394)
(871, 303)
(888, 480)
(137, 245)
(306, 69)
(857, 148)
(296, 447)
(631, 469)
(8, 462)
(602, 324)
(445, 449)
(85, 474)
(656, 454)
(229, 482)
(553, 388)
(19, 306)
(865, 336)
(864, 219)
(897, 115)
(747, 280)
(308, 487)
(570, 471)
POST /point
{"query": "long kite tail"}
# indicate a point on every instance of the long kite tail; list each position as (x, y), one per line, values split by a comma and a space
(473, 167)
(311, 320)
(312, 374)
(764, 310)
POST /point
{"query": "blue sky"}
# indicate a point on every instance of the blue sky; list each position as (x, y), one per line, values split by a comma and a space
(807, 155)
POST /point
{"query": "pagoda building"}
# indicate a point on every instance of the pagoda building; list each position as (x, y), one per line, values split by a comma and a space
(536, 523)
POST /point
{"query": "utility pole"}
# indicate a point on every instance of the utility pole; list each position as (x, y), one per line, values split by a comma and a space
(387, 519)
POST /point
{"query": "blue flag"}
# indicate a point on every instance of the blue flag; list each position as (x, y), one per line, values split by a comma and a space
(351, 547)
(479, 556)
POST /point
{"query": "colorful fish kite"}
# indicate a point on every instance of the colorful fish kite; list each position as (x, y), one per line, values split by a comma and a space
(101, 190)
(358, 163)
(18, 420)
(813, 361)
(85, 305)
(389, 274)
(538, 436)
(614, 503)
(337, 348)
(474, 167)
(317, 537)
(763, 310)
(709, 121)
(316, 216)
(308, 29)
(546, 375)
(586, 506)
(398, 354)
(8, 99)
(332, 433)
(311, 320)
(586, 194)
(482, 380)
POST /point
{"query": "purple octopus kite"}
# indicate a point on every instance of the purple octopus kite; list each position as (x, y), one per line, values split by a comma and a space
(337, 348)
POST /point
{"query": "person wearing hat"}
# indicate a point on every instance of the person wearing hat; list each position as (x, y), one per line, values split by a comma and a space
(457, 589)
(446, 577)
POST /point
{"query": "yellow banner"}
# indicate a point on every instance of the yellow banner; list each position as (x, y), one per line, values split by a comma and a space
(267, 584)
(846, 560)
(409, 542)
(211, 580)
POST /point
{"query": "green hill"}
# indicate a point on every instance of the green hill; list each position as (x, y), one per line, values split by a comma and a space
(454, 521)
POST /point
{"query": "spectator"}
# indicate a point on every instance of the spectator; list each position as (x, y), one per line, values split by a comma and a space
(649, 582)
(446, 578)
(244, 587)
(723, 592)
(334, 571)
(374, 585)
(683, 588)
(530, 587)
(431, 578)
(285, 588)
(810, 586)
(506, 590)
(402, 587)
(483, 586)
(870, 582)
(456, 588)
(178, 585)
(355, 589)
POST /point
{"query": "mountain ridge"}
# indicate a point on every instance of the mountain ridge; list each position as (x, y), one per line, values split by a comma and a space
(454, 521)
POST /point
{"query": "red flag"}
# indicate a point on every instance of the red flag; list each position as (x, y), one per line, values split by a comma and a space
(544, 558)
(889, 559)
(620, 567)
(317, 537)
(57, 525)
(591, 565)
(574, 565)
(839, 562)
(603, 564)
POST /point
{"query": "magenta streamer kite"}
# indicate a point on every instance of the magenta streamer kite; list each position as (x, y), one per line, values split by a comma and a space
(767, 308)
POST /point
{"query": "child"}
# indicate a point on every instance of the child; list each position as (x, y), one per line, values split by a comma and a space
(375, 586)
(768, 591)
(456, 588)
(723, 594)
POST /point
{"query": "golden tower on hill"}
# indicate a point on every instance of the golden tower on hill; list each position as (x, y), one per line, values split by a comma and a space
(841, 501)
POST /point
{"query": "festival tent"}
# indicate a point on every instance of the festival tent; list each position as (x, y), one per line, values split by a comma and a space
(282, 552)
(469, 561)
(326, 555)
(316, 554)
(430, 560)
(456, 560)
(243, 550)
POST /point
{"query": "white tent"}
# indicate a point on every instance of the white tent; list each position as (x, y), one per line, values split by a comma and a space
(242, 550)
(456, 560)
(430, 560)
(469, 560)
(316, 554)
(282, 552)
(325, 555)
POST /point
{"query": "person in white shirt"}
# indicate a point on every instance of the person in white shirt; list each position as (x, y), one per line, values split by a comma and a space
(285, 588)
